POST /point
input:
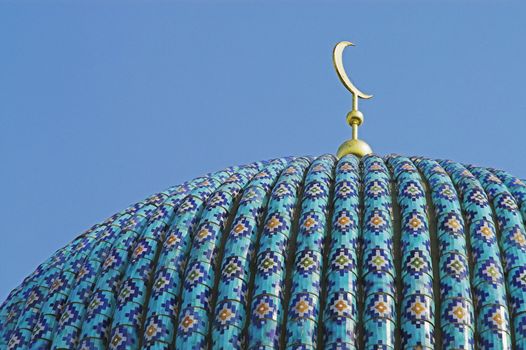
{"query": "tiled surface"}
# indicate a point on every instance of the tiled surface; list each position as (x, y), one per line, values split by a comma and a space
(293, 253)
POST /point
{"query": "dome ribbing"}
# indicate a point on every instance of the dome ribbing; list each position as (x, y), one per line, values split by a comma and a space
(293, 253)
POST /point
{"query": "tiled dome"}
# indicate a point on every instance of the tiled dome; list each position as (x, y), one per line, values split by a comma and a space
(293, 253)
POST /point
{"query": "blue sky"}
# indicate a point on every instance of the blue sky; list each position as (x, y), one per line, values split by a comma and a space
(105, 103)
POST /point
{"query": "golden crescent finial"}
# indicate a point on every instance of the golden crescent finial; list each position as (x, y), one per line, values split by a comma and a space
(354, 117)
(337, 59)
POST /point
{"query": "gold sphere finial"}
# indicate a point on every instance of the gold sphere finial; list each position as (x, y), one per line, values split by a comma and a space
(354, 117)
(354, 146)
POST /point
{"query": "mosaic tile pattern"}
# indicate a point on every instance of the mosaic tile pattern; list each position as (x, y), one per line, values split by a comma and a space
(417, 305)
(380, 290)
(292, 253)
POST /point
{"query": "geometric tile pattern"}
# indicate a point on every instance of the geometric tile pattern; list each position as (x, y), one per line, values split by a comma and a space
(417, 304)
(455, 304)
(292, 253)
(487, 281)
(378, 267)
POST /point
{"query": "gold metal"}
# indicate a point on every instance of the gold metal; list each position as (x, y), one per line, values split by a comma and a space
(354, 117)
(354, 146)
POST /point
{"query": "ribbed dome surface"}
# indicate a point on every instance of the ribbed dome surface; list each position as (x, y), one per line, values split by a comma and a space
(293, 253)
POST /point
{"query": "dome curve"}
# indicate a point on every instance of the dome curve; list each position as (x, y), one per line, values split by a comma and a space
(300, 252)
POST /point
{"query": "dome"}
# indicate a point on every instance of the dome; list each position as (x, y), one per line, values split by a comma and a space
(293, 253)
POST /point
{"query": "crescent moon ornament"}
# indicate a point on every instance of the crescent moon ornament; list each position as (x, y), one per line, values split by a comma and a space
(337, 59)
(354, 117)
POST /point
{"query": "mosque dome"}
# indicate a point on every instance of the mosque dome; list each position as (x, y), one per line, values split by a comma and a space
(292, 253)
(350, 252)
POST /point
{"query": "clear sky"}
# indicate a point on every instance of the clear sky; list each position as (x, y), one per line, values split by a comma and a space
(105, 103)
